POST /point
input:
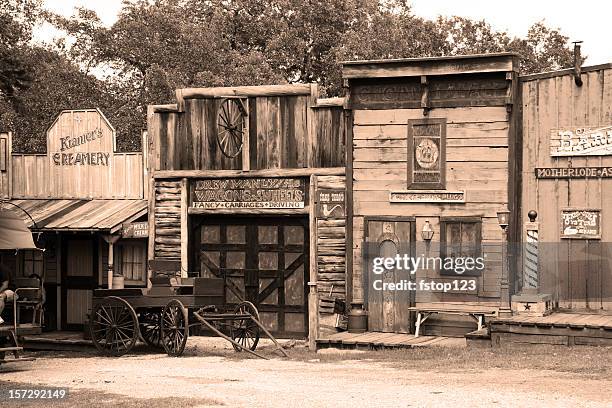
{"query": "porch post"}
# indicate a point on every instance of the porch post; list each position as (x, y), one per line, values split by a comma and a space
(111, 240)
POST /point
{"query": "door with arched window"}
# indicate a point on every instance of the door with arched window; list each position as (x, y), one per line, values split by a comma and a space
(388, 308)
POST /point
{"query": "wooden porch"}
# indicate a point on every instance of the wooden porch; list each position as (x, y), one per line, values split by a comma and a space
(558, 328)
(378, 341)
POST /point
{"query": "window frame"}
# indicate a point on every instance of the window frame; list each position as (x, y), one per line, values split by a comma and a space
(444, 222)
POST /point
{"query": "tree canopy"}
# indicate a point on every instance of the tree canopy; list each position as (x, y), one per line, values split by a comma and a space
(156, 46)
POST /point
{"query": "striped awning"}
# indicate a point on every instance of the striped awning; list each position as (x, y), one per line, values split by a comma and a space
(79, 215)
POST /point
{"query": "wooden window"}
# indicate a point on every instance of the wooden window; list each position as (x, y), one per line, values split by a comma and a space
(460, 238)
(31, 263)
(131, 260)
(427, 154)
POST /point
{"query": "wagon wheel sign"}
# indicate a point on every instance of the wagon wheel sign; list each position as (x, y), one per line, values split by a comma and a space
(230, 126)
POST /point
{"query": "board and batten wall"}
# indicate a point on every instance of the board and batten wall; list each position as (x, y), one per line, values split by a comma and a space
(285, 128)
(114, 175)
(577, 272)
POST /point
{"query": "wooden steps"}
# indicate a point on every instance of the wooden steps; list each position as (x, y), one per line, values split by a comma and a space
(376, 341)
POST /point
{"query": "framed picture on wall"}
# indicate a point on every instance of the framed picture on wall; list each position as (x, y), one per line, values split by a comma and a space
(427, 154)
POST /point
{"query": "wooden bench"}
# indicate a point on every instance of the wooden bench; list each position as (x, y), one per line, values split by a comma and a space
(477, 314)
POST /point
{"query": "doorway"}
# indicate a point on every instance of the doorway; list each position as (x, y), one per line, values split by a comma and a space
(263, 260)
(388, 309)
(79, 279)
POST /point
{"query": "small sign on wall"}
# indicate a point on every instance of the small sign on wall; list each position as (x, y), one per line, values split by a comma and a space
(581, 141)
(424, 196)
(135, 230)
(331, 203)
(581, 223)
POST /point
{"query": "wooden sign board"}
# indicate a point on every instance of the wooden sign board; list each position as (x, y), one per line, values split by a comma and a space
(331, 203)
(425, 196)
(251, 193)
(135, 230)
(573, 172)
(581, 141)
(426, 153)
(580, 223)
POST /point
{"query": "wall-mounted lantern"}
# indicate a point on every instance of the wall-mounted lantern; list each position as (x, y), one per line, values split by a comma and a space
(503, 218)
(427, 233)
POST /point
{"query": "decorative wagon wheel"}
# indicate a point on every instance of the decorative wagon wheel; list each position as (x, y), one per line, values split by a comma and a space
(230, 126)
(114, 326)
(150, 328)
(174, 328)
(245, 331)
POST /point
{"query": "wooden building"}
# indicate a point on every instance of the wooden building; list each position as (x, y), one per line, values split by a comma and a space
(86, 204)
(434, 143)
(248, 184)
(567, 180)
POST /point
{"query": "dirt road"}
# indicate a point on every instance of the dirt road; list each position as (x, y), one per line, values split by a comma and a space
(212, 375)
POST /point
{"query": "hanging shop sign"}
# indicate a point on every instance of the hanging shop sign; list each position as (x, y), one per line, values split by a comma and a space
(580, 223)
(253, 193)
(581, 141)
(135, 230)
(425, 196)
(331, 203)
(573, 172)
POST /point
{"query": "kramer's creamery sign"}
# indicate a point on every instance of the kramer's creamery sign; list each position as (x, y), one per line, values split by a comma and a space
(252, 193)
(80, 139)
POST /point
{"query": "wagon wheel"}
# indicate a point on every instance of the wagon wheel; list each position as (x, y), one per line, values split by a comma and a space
(245, 332)
(114, 326)
(174, 328)
(230, 126)
(150, 328)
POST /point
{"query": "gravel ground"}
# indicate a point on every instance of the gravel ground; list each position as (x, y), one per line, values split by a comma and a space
(211, 375)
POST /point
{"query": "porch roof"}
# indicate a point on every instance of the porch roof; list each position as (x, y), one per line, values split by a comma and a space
(79, 215)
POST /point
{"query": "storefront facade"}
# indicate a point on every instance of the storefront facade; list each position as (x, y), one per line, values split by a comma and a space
(237, 177)
(435, 143)
(82, 200)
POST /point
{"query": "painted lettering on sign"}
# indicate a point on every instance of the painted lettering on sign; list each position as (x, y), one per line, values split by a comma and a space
(248, 193)
(573, 172)
(70, 142)
(580, 223)
(77, 159)
(331, 203)
(135, 230)
(418, 196)
(581, 141)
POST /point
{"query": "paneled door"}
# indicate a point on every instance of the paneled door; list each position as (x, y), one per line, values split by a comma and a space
(388, 309)
(262, 260)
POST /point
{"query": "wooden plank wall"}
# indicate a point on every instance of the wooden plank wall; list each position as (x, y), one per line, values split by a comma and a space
(167, 220)
(33, 177)
(278, 128)
(330, 257)
(577, 272)
(476, 162)
(5, 165)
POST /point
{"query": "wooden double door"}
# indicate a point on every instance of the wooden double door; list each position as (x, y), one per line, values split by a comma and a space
(262, 260)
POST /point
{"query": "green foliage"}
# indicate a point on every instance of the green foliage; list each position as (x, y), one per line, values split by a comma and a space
(156, 46)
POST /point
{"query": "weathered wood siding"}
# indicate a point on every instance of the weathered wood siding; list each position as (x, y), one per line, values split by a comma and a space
(80, 162)
(576, 272)
(282, 131)
(167, 220)
(476, 162)
(330, 249)
(476, 98)
(33, 177)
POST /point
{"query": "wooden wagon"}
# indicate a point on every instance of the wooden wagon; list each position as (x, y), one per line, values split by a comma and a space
(163, 316)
